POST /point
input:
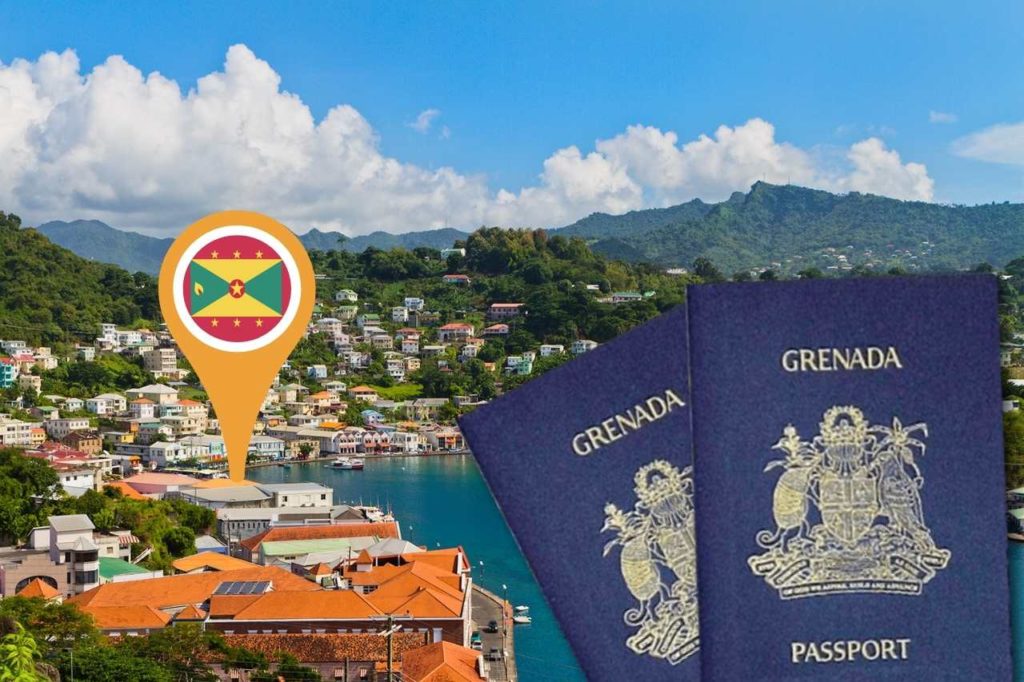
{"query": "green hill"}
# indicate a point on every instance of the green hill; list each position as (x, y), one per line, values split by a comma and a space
(795, 228)
(50, 295)
(98, 241)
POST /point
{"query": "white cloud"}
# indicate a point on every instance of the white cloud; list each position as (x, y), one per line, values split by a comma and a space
(1002, 143)
(424, 120)
(942, 117)
(139, 152)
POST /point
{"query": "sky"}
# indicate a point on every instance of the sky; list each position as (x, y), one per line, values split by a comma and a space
(406, 116)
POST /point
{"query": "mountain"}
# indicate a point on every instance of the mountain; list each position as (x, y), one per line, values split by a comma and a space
(98, 241)
(791, 228)
(600, 225)
(48, 294)
(442, 238)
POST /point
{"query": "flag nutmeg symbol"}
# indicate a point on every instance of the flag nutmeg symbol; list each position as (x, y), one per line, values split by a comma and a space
(237, 292)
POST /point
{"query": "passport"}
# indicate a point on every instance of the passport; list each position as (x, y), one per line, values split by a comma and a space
(590, 464)
(848, 464)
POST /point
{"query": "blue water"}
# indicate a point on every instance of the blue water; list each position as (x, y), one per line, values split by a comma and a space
(443, 502)
(1017, 607)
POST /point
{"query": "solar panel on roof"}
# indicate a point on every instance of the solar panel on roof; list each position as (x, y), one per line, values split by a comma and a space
(239, 587)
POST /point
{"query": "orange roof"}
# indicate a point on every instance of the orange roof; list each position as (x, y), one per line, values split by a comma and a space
(190, 403)
(322, 395)
(440, 662)
(420, 590)
(180, 590)
(226, 606)
(441, 558)
(157, 478)
(381, 529)
(142, 401)
(320, 605)
(127, 617)
(328, 647)
(190, 612)
(361, 389)
(40, 589)
(126, 490)
(207, 483)
(213, 561)
(457, 325)
(321, 569)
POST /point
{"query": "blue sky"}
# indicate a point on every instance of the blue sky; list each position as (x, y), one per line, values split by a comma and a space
(514, 82)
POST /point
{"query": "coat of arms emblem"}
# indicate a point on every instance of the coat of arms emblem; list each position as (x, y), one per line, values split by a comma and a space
(658, 562)
(848, 513)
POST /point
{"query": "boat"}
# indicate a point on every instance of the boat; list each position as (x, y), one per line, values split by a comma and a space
(522, 619)
(522, 609)
(347, 463)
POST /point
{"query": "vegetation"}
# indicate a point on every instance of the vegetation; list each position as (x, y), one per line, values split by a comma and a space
(49, 295)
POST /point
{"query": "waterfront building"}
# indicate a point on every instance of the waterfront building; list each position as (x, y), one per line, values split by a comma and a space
(337, 536)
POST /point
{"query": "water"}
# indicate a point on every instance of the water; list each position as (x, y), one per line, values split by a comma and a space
(443, 502)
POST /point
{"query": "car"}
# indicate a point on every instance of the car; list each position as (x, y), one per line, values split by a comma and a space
(492, 626)
(476, 644)
(475, 637)
(494, 654)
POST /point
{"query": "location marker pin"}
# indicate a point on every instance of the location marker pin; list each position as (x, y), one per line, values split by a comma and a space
(237, 292)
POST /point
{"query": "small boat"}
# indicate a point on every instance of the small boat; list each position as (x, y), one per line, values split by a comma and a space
(347, 463)
(522, 609)
(522, 619)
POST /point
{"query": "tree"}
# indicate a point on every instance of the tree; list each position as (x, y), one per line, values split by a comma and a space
(105, 662)
(180, 541)
(706, 270)
(18, 653)
(181, 648)
(768, 276)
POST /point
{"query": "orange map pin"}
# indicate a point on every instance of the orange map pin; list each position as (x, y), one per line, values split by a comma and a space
(237, 292)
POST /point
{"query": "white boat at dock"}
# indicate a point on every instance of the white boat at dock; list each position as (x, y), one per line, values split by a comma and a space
(347, 463)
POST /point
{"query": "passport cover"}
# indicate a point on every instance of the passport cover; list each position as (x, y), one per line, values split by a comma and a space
(590, 464)
(831, 544)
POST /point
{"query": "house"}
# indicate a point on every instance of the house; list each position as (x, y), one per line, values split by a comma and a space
(499, 329)
(86, 353)
(8, 372)
(426, 409)
(504, 311)
(443, 438)
(298, 495)
(73, 404)
(59, 428)
(161, 362)
(411, 345)
(106, 403)
(266, 447)
(158, 393)
(346, 296)
(549, 349)
(88, 441)
(142, 408)
(455, 279)
(346, 313)
(382, 341)
(30, 381)
(331, 326)
(364, 393)
(454, 332)
(518, 365)
(400, 314)
(316, 372)
(443, 662)
(368, 320)
(14, 432)
(414, 303)
(626, 297)
(582, 346)
(396, 368)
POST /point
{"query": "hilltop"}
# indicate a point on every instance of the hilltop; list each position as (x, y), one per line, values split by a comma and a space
(48, 294)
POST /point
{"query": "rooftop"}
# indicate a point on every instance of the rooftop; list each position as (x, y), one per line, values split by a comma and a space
(381, 529)
(440, 662)
(111, 567)
(211, 561)
(70, 523)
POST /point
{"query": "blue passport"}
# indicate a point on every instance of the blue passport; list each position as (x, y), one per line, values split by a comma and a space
(849, 480)
(590, 464)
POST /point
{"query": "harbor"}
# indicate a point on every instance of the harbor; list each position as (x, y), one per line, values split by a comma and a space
(444, 502)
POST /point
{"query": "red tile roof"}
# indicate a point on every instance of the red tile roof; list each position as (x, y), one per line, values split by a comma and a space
(40, 589)
(381, 529)
(440, 662)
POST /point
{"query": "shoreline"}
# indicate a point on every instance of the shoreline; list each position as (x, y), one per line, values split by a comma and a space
(360, 455)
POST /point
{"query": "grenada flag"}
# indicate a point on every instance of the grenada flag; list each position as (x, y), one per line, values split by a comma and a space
(236, 288)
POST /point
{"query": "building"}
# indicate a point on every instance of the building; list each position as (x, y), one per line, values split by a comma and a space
(159, 484)
(549, 349)
(209, 562)
(456, 279)
(414, 303)
(30, 381)
(298, 495)
(106, 403)
(399, 314)
(364, 393)
(161, 362)
(443, 662)
(158, 393)
(88, 441)
(8, 372)
(453, 252)
(497, 329)
(15, 433)
(59, 428)
(504, 311)
(454, 332)
(581, 346)
(338, 537)
(239, 523)
(347, 296)
(316, 372)
(626, 297)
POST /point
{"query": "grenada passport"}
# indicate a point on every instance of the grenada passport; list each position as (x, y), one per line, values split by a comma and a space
(590, 464)
(849, 480)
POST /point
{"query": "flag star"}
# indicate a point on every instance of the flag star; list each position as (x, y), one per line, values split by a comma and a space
(236, 289)
(238, 323)
(259, 254)
(214, 254)
(214, 322)
(237, 254)
(259, 323)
